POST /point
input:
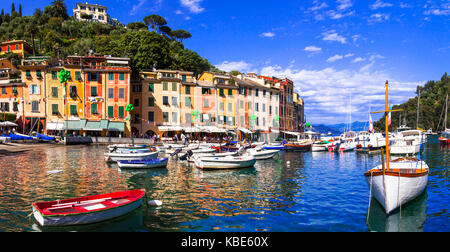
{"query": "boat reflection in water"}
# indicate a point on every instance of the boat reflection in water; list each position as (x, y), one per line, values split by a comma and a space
(411, 218)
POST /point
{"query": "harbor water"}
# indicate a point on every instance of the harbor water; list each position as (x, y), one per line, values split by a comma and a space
(296, 192)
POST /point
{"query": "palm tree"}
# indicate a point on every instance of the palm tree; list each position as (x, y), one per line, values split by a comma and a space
(33, 29)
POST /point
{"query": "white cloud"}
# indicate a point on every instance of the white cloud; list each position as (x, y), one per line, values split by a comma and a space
(318, 6)
(240, 66)
(344, 4)
(136, 7)
(267, 34)
(327, 91)
(334, 36)
(380, 4)
(378, 17)
(358, 59)
(193, 5)
(334, 58)
(313, 49)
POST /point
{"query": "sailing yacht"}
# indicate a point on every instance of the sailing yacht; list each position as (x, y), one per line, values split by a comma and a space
(445, 136)
(396, 182)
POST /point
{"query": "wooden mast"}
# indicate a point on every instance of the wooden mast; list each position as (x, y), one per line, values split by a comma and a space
(387, 126)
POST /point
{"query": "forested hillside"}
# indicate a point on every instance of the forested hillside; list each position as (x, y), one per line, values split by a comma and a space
(149, 43)
(431, 109)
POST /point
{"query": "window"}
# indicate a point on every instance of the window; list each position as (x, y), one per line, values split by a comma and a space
(151, 116)
(28, 73)
(174, 117)
(14, 90)
(187, 101)
(121, 111)
(166, 100)
(121, 76)
(93, 109)
(206, 103)
(174, 86)
(15, 106)
(35, 106)
(188, 118)
(188, 89)
(54, 75)
(55, 92)
(92, 76)
(110, 93)
(206, 91)
(264, 107)
(165, 117)
(3, 90)
(230, 107)
(38, 73)
(77, 75)
(73, 92)
(111, 111)
(151, 101)
(136, 102)
(256, 106)
(35, 89)
(183, 78)
(221, 106)
(270, 110)
(93, 91)
(241, 103)
(221, 93)
(264, 93)
(151, 87)
(256, 92)
(165, 86)
(230, 92)
(121, 93)
(111, 76)
(174, 101)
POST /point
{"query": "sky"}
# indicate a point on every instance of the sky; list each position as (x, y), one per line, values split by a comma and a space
(339, 53)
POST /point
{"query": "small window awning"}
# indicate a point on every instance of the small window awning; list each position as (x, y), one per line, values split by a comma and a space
(93, 126)
(116, 126)
(246, 131)
(170, 128)
(74, 125)
(55, 126)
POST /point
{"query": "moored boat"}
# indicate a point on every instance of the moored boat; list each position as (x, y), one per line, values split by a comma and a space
(227, 162)
(261, 154)
(86, 210)
(297, 146)
(114, 157)
(143, 164)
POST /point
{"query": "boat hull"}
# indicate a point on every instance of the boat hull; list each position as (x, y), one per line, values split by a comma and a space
(89, 217)
(224, 163)
(405, 149)
(158, 163)
(400, 188)
(114, 157)
(263, 154)
(297, 147)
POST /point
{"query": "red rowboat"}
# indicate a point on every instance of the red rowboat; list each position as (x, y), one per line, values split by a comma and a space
(85, 210)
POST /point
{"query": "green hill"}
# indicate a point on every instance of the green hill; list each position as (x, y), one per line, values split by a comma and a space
(431, 111)
(148, 43)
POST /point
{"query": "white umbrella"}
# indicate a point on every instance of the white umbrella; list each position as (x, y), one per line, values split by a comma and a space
(8, 124)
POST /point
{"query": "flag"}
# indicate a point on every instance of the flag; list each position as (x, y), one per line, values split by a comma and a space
(389, 115)
(370, 124)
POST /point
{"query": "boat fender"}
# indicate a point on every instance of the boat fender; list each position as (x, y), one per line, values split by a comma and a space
(155, 203)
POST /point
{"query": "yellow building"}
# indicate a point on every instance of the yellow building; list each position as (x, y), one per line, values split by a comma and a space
(187, 102)
(34, 92)
(91, 12)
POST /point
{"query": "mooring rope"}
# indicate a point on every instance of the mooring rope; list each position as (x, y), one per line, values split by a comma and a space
(370, 198)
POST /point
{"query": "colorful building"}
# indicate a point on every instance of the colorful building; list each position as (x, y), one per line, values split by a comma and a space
(11, 89)
(20, 47)
(34, 93)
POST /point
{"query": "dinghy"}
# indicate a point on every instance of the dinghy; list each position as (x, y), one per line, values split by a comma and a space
(114, 157)
(274, 146)
(261, 154)
(86, 210)
(143, 164)
(228, 162)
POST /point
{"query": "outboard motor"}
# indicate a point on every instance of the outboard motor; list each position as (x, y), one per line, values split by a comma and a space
(188, 154)
(175, 152)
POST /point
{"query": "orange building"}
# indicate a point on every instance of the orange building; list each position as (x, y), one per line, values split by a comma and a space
(11, 89)
(20, 47)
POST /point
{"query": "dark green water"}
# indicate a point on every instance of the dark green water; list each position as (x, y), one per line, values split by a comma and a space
(313, 192)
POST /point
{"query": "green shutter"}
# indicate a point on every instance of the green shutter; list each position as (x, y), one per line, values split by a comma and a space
(121, 76)
(111, 76)
(110, 111)
(121, 112)
(151, 101)
(93, 109)
(151, 87)
(55, 109)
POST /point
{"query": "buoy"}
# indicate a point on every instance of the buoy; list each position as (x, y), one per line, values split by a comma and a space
(288, 162)
(155, 203)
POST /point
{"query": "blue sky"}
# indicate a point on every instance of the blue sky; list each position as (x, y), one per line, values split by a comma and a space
(335, 51)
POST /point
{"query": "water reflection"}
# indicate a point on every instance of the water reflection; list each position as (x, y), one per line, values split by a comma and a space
(313, 191)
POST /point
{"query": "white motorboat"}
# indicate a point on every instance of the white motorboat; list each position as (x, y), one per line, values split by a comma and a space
(228, 162)
(114, 157)
(321, 146)
(143, 164)
(405, 180)
(191, 157)
(406, 142)
(261, 154)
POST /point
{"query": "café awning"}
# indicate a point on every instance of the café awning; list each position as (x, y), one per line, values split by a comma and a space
(116, 126)
(246, 131)
(170, 128)
(55, 126)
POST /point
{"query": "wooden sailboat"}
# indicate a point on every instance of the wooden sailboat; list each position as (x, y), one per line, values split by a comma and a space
(396, 182)
(445, 137)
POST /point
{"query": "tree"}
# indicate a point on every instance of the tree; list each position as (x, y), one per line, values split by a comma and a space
(155, 21)
(59, 9)
(32, 29)
(165, 30)
(136, 25)
(181, 35)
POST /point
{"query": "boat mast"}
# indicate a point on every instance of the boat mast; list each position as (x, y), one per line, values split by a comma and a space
(387, 126)
(446, 110)
(418, 106)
